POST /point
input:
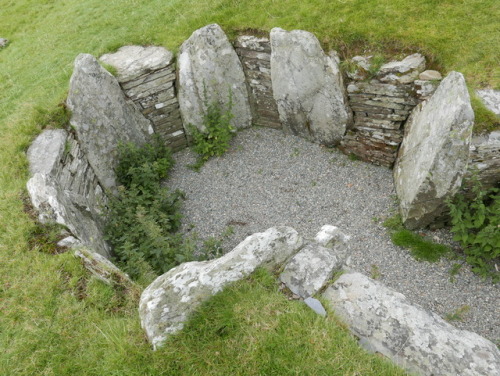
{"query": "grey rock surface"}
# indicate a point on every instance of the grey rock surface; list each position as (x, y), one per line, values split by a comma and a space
(310, 269)
(102, 117)
(419, 341)
(308, 88)
(430, 75)
(134, 61)
(102, 268)
(68, 242)
(331, 236)
(484, 159)
(54, 200)
(210, 71)
(433, 156)
(3, 42)
(491, 99)
(361, 68)
(167, 303)
(402, 72)
(316, 306)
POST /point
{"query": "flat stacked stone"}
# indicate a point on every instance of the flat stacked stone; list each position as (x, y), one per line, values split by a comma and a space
(255, 56)
(379, 112)
(147, 76)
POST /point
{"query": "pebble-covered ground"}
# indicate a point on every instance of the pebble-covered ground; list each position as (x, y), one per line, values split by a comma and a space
(269, 179)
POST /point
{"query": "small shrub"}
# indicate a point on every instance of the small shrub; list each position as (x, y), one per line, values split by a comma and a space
(214, 140)
(143, 216)
(476, 225)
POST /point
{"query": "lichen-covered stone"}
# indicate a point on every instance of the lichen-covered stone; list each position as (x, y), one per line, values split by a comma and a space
(308, 87)
(54, 188)
(167, 303)
(102, 268)
(491, 99)
(417, 340)
(433, 156)
(102, 117)
(402, 72)
(210, 71)
(484, 160)
(132, 62)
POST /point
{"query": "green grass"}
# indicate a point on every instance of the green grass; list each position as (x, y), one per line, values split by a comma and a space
(46, 327)
(420, 248)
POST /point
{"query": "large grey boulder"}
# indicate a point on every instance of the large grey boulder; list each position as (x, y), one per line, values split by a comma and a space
(132, 62)
(314, 265)
(211, 72)
(308, 87)
(52, 196)
(417, 340)
(102, 117)
(433, 156)
(166, 304)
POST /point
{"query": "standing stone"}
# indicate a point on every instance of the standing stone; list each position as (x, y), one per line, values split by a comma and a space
(166, 304)
(433, 156)
(308, 87)
(102, 117)
(210, 71)
(417, 340)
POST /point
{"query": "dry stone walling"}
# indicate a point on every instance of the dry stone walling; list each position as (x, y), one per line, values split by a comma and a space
(285, 81)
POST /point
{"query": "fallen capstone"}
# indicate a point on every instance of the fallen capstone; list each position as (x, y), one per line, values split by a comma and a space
(419, 341)
(491, 99)
(51, 194)
(166, 304)
(102, 117)
(308, 88)
(433, 156)
(402, 72)
(211, 72)
(132, 62)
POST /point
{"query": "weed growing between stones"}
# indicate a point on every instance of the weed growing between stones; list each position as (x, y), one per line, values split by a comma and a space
(420, 248)
(143, 216)
(476, 225)
(214, 140)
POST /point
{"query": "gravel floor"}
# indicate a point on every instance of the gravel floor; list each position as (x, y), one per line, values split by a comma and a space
(269, 179)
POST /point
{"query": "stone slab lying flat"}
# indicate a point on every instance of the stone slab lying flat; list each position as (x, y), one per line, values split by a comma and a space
(167, 303)
(433, 156)
(417, 340)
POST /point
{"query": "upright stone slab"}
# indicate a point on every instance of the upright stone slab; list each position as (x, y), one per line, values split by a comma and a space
(417, 340)
(433, 156)
(102, 117)
(210, 71)
(64, 189)
(308, 88)
(167, 303)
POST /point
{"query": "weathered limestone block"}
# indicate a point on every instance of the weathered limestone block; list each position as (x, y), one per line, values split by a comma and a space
(433, 156)
(430, 75)
(210, 71)
(134, 61)
(54, 199)
(417, 340)
(102, 268)
(308, 87)
(402, 72)
(102, 117)
(167, 303)
(491, 99)
(310, 269)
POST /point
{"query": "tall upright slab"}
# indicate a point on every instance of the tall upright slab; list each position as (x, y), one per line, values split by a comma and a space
(308, 88)
(102, 117)
(433, 157)
(210, 71)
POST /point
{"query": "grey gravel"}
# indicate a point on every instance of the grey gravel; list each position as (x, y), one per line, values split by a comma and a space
(268, 179)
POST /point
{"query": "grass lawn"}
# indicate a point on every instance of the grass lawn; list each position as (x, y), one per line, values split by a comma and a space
(54, 318)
